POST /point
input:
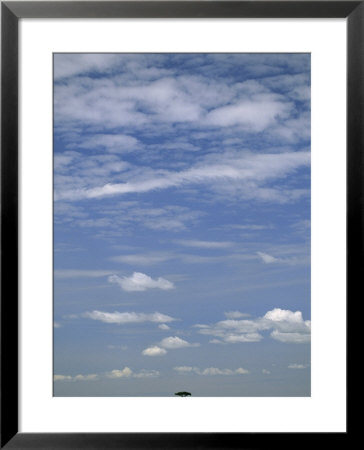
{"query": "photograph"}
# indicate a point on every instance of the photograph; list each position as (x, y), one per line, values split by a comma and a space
(181, 225)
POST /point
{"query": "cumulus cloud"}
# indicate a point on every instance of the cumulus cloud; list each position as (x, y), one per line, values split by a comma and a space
(284, 315)
(138, 282)
(168, 343)
(285, 325)
(154, 351)
(173, 342)
(116, 373)
(127, 317)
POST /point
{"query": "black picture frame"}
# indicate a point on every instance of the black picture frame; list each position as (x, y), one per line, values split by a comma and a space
(11, 12)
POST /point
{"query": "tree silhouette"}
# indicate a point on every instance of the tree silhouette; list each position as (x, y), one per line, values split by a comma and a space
(183, 394)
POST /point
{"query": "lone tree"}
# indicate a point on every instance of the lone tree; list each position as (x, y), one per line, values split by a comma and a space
(183, 394)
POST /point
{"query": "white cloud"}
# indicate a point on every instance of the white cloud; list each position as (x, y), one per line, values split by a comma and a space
(115, 143)
(138, 282)
(215, 371)
(210, 371)
(185, 369)
(127, 317)
(297, 366)
(67, 65)
(289, 255)
(143, 259)
(124, 373)
(205, 244)
(216, 341)
(90, 377)
(235, 314)
(282, 315)
(253, 170)
(154, 351)
(128, 373)
(113, 374)
(250, 227)
(241, 371)
(256, 115)
(287, 326)
(57, 325)
(246, 337)
(174, 342)
(265, 371)
(62, 378)
(169, 343)
(233, 331)
(267, 259)
(147, 374)
(73, 273)
(164, 327)
(291, 338)
(117, 347)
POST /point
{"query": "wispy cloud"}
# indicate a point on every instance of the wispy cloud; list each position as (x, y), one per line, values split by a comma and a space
(147, 259)
(291, 338)
(76, 273)
(190, 176)
(89, 377)
(115, 374)
(290, 257)
(297, 366)
(114, 143)
(252, 169)
(205, 244)
(235, 315)
(268, 259)
(210, 371)
(127, 317)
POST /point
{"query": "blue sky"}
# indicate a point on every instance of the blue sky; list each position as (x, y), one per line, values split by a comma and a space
(182, 224)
